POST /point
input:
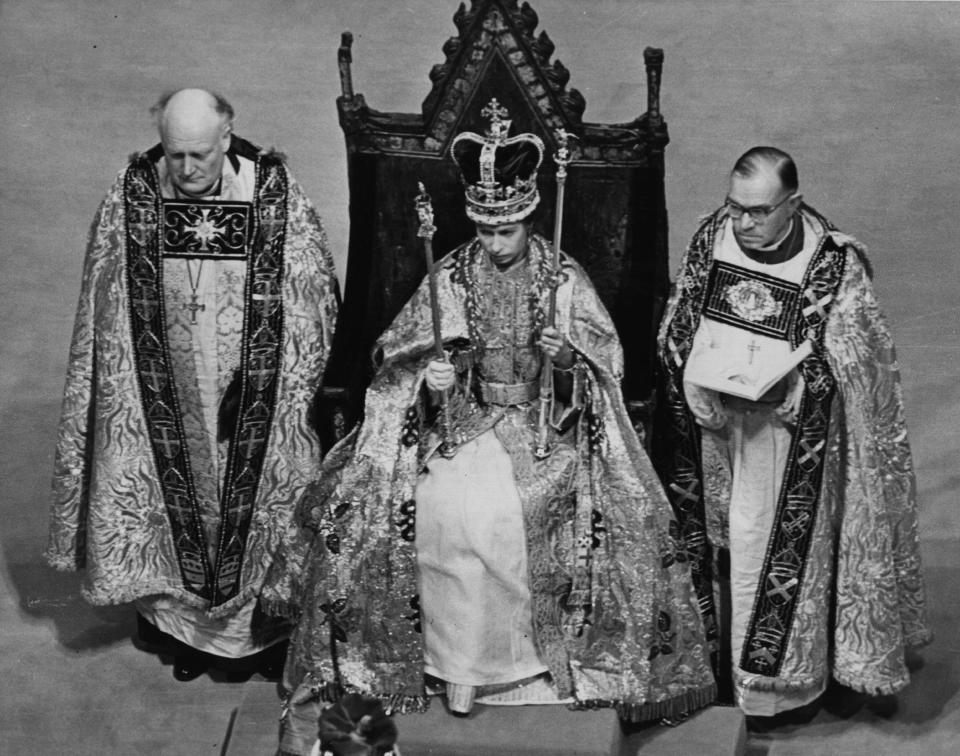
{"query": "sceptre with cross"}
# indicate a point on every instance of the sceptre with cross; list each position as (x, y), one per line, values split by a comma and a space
(542, 448)
(426, 231)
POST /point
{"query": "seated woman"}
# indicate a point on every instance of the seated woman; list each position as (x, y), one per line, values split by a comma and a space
(452, 555)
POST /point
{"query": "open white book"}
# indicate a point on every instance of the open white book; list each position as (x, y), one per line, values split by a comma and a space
(719, 375)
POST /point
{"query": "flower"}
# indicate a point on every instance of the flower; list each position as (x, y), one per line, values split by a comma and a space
(356, 726)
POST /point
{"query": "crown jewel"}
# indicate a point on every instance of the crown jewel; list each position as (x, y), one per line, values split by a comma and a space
(499, 172)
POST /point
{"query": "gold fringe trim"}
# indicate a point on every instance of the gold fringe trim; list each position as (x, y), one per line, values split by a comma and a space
(777, 684)
(393, 703)
(398, 703)
(277, 608)
(653, 710)
(874, 688)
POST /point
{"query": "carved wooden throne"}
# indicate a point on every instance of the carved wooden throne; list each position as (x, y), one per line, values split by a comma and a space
(615, 220)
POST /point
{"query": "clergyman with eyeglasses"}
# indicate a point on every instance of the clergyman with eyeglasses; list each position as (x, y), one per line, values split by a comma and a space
(783, 446)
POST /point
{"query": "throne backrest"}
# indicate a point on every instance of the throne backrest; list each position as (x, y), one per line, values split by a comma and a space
(614, 220)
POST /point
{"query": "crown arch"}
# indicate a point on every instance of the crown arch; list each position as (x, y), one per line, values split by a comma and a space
(615, 221)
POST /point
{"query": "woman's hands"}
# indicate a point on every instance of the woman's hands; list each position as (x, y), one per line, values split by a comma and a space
(555, 345)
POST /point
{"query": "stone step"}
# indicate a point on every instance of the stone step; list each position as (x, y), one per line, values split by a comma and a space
(512, 731)
(714, 731)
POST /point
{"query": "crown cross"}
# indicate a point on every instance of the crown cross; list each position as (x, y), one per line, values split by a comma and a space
(499, 123)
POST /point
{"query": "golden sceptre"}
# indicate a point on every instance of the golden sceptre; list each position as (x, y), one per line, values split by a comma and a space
(562, 159)
(426, 231)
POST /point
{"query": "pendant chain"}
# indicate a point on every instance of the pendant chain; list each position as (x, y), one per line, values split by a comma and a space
(194, 305)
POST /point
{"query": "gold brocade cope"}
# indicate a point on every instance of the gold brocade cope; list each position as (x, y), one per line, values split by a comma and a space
(843, 548)
(124, 504)
(614, 615)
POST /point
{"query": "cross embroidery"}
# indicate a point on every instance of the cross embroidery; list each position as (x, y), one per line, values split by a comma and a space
(144, 305)
(762, 656)
(266, 298)
(782, 589)
(156, 377)
(686, 494)
(205, 230)
(166, 439)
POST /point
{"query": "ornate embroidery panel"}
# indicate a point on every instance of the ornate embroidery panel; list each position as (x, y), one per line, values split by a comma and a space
(206, 229)
(751, 300)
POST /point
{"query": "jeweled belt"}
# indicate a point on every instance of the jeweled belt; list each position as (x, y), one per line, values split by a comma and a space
(507, 394)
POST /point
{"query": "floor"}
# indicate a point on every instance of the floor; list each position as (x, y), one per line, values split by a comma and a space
(864, 94)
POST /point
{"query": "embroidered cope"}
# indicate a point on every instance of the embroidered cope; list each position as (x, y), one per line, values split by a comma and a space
(811, 488)
(156, 493)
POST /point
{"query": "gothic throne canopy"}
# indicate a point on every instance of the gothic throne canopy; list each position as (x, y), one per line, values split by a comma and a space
(615, 221)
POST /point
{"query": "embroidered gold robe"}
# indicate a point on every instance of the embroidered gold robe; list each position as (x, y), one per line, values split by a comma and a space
(613, 614)
(838, 588)
(134, 501)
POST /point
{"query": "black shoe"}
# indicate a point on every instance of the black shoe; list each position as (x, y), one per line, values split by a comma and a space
(841, 701)
(188, 667)
(883, 706)
(150, 638)
(271, 669)
(800, 716)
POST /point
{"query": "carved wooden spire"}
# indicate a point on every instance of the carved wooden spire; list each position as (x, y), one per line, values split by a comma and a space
(500, 27)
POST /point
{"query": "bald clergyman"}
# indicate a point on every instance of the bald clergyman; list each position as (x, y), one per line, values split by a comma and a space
(206, 315)
(784, 450)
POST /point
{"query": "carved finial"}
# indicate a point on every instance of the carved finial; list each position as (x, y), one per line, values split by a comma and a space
(344, 59)
(543, 46)
(653, 58)
(460, 18)
(528, 17)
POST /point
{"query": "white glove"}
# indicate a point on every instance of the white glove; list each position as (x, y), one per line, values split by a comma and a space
(706, 406)
(439, 375)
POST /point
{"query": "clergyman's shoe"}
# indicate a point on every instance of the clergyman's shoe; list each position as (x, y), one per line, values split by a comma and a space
(271, 669)
(188, 667)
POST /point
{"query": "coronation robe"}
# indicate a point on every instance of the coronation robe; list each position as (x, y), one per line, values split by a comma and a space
(185, 440)
(491, 568)
(810, 487)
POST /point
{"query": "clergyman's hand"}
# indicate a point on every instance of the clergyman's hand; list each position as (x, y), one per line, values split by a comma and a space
(555, 345)
(439, 375)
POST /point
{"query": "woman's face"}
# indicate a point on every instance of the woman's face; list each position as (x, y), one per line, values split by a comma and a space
(505, 244)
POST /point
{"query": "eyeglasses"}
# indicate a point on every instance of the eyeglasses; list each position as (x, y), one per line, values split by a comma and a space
(758, 213)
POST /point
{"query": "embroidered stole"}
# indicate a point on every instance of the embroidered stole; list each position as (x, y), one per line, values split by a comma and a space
(149, 224)
(803, 316)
